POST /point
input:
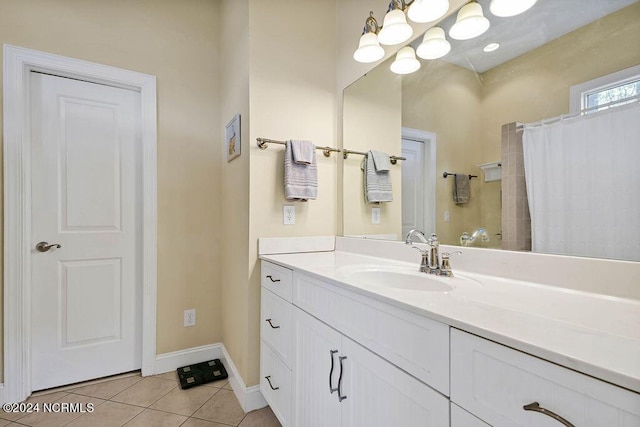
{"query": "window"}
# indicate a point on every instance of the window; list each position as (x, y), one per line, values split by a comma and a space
(605, 90)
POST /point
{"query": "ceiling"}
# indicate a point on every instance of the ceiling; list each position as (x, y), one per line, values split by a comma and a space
(545, 21)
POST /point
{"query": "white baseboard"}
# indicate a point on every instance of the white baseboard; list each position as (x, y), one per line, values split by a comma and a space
(250, 398)
(167, 362)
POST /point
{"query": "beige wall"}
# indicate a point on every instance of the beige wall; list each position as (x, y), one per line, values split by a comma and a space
(536, 85)
(292, 96)
(372, 120)
(445, 99)
(234, 191)
(177, 42)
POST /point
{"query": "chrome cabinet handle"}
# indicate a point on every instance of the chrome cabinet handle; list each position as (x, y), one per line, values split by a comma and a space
(270, 385)
(45, 246)
(272, 279)
(535, 406)
(331, 389)
(340, 396)
(271, 324)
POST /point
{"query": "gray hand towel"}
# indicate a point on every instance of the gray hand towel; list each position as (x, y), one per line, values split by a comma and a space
(377, 185)
(300, 180)
(461, 188)
(303, 152)
(380, 161)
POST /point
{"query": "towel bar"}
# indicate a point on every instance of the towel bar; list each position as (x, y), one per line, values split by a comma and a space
(446, 174)
(392, 159)
(262, 143)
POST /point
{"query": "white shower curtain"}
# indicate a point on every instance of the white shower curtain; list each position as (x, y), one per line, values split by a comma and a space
(583, 184)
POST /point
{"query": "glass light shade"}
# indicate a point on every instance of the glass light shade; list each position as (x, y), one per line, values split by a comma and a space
(369, 50)
(506, 8)
(406, 61)
(427, 10)
(470, 22)
(395, 29)
(434, 44)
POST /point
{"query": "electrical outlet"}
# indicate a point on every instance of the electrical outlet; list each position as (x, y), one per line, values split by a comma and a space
(375, 215)
(190, 317)
(447, 217)
(288, 214)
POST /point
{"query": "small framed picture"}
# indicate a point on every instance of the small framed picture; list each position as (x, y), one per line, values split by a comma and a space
(232, 138)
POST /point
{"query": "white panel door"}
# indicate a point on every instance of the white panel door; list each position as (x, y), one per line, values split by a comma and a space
(86, 295)
(378, 394)
(317, 350)
(412, 186)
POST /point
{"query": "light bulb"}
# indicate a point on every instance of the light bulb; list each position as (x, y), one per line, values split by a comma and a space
(369, 50)
(395, 29)
(470, 22)
(406, 61)
(506, 8)
(427, 10)
(434, 44)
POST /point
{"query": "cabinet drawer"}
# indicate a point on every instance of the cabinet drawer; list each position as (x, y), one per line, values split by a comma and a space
(277, 279)
(418, 345)
(276, 325)
(494, 382)
(275, 384)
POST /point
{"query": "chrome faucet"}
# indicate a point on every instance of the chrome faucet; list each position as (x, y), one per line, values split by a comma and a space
(466, 240)
(418, 233)
(424, 263)
(430, 262)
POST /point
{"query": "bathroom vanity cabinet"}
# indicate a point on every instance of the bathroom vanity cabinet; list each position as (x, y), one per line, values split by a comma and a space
(335, 357)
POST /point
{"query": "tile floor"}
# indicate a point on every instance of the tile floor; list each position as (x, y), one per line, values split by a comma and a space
(133, 401)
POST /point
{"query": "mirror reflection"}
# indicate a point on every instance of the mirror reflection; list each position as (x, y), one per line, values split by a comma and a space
(489, 115)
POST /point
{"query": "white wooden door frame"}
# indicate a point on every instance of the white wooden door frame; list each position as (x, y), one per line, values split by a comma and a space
(18, 63)
(429, 140)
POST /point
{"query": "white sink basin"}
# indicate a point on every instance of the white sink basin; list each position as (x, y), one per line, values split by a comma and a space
(397, 277)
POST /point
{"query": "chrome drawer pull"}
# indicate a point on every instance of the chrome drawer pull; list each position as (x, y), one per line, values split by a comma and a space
(272, 387)
(271, 324)
(340, 396)
(272, 279)
(331, 389)
(535, 406)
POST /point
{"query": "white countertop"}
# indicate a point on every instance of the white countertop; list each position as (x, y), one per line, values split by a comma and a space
(591, 333)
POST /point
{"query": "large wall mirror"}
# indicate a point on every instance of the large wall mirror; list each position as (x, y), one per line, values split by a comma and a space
(535, 121)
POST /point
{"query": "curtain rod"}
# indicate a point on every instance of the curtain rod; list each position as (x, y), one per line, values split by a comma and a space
(392, 159)
(263, 142)
(607, 106)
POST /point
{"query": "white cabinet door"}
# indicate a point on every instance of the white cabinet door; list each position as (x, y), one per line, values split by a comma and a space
(494, 383)
(461, 418)
(317, 350)
(378, 394)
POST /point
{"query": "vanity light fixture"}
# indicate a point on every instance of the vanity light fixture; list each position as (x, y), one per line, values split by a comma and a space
(506, 8)
(369, 50)
(406, 62)
(470, 22)
(434, 44)
(427, 10)
(491, 47)
(395, 29)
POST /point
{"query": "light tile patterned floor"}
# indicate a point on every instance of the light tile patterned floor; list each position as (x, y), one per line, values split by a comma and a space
(132, 401)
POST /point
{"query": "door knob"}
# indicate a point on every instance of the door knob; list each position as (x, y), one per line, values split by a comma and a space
(45, 246)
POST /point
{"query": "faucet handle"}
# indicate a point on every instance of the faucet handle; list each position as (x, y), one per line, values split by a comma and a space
(445, 269)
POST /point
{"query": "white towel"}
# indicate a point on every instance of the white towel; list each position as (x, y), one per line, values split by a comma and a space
(303, 152)
(300, 180)
(381, 161)
(377, 185)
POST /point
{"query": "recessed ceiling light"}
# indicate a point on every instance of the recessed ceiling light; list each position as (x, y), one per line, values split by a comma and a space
(491, 47)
